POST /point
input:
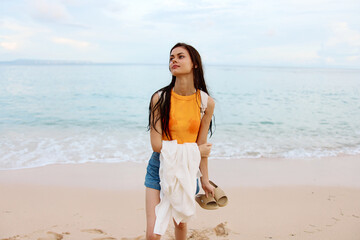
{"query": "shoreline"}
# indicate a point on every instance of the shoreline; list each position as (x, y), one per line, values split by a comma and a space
(328, 171)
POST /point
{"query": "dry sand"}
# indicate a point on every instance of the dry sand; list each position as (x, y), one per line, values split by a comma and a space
(268, 199)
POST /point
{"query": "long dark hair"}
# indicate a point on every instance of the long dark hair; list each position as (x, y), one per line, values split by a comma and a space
(164, 100)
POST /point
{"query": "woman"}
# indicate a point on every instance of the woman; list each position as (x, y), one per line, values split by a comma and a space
(174, 114)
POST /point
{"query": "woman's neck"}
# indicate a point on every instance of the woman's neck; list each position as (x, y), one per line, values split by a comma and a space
(184, 85)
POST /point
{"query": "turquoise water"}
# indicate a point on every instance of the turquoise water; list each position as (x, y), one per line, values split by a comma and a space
(98, 113)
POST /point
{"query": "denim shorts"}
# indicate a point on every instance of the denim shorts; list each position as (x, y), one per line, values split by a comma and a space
(152, 178)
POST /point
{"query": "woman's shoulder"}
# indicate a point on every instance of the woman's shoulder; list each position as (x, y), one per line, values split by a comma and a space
(211, 102)
(156, 96)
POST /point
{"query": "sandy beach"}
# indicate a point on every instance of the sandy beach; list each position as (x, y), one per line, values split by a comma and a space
(268, 199)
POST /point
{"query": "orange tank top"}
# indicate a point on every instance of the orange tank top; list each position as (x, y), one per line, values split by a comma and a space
(185, 117)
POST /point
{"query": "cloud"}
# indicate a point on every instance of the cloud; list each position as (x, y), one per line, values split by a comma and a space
(9, 45)
(299, 54)
(14, 26)
(15, 35)
(342, 46)
(330, 60)
(283, 54)
(271, 32)
(49, 10)
(229, 31)
(353, 58)
(71, 42)
(128, 12)
(342, 33)
(55, 11)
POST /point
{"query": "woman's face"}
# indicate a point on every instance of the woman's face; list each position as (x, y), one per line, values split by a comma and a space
(180, 62)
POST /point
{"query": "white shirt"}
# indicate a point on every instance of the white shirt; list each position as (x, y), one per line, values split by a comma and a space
(179, 168)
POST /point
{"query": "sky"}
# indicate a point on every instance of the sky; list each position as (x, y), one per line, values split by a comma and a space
(310, 33)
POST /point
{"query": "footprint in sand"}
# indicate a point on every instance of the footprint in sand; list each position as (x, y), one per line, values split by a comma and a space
(52, 236)
(332, 224)
(310, 231)
(105, 238)
(203, 235)
(341, 212)
(98, 231)
(221, 230)
(135, 238)
(11, 238)
(331, 197)
(94, 230)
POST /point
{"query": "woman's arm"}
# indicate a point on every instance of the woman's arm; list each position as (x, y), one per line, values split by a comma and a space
(155, 131)
(202, 142)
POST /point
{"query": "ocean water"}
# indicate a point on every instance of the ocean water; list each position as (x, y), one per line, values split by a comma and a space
(98, 113)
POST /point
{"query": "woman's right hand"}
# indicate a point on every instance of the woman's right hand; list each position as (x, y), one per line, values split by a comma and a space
(205, 149)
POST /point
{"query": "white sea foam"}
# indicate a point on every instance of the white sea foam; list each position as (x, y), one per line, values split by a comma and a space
(39, 148)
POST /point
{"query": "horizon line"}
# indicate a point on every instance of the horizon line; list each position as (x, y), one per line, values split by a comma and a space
(84, 62)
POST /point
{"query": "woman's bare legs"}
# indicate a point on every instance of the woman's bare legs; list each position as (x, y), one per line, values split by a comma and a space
(180, 231)
(152, 199)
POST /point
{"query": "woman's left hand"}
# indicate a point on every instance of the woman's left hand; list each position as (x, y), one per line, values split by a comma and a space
(208, 188)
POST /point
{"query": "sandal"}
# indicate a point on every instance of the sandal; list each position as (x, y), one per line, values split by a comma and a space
(208, 203)
(220, 196)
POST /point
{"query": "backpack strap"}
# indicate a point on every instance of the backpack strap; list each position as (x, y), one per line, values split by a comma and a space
(204, 100)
